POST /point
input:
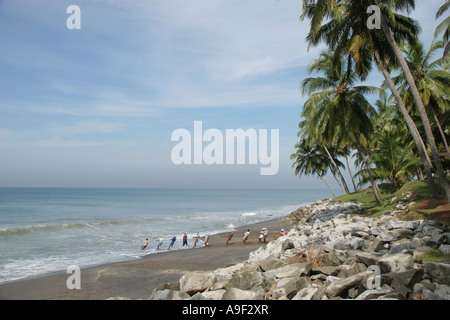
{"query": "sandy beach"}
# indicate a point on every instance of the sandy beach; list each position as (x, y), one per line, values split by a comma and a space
(136, 279)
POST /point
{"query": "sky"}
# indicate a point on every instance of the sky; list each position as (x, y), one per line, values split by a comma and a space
(96, 106)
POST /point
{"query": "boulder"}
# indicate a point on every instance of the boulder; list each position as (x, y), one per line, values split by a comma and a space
(399, 246)
(396, 234)
(340, 286)
(367, 258)
(196, 281)
(395, 262)
(445, 248)
(407, 278)
(245, 279)
(290, 286)
(439, 272)
(168, 294)
(270, 264)
(309, 294)
(350, 270)
(375, 293)
(256, 293)
(290, 271)
(212, 295)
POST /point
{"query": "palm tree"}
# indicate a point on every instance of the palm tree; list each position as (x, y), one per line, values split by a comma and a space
(393, 157)
(444, 26)
(310, 161)
(346, 31)
(337, 111)
(432, 80)
(387, 14)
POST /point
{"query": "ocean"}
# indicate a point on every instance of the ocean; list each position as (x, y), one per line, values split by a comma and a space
(45, 230)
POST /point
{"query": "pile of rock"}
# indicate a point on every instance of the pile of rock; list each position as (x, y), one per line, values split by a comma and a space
(331, 256)
(322, 210)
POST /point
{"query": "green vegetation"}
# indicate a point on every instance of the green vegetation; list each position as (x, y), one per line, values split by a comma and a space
(395, 142)
(434, 255)
(424, 207)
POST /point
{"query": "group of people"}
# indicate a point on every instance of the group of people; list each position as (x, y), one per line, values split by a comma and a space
(261, 239)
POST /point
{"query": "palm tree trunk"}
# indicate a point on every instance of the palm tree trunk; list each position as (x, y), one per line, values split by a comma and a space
(420, 107)
(411, 126)
(376, 190)
(440, 131)
(334, 196)
(350, 172)
(338, 171)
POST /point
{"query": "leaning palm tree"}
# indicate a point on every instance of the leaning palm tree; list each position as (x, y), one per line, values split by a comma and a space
(337, 110)
(432, 79)
(310, 161)
(345, 30)
(387, 15)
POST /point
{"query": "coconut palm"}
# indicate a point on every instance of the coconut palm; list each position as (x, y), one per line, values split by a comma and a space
(337, 111)
(393, 157)
(310, 161)
(432, 79)
(345, 30)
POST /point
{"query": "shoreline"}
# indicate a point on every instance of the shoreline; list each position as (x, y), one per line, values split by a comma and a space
(136, 279)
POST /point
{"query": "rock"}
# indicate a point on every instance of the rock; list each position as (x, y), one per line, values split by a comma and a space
(309, 294)
(197, 281)
(287, 244)
(367, 258)
(377, 244)
(399, 246)
(442, 291)
(290, 286)
(445, 248)
(375, 293)
(407, 279)
(213, 295)
(245, 280)
(167, 294)
(327, 270)
(439, 272)
(396, 234)
(256, 293)
(350, 270)
(340, 286)
(290, 271)
(395, 262)
(270, 264)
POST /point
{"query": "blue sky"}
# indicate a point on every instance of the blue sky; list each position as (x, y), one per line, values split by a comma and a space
(96, 107)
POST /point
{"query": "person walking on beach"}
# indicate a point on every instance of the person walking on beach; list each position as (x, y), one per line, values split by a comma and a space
(265, 234)
(144, 244)
(185, 240)
(246, 234)
(172, 241)
(206, 239)
(230, 235)
(282, 232)
(196, 239)
(160, 241)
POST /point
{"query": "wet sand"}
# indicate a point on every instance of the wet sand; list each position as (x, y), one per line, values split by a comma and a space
(136, 279)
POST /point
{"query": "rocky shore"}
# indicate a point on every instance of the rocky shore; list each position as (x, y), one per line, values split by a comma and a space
(331, 254)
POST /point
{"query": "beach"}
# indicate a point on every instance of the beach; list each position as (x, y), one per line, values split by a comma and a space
(136, 279)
